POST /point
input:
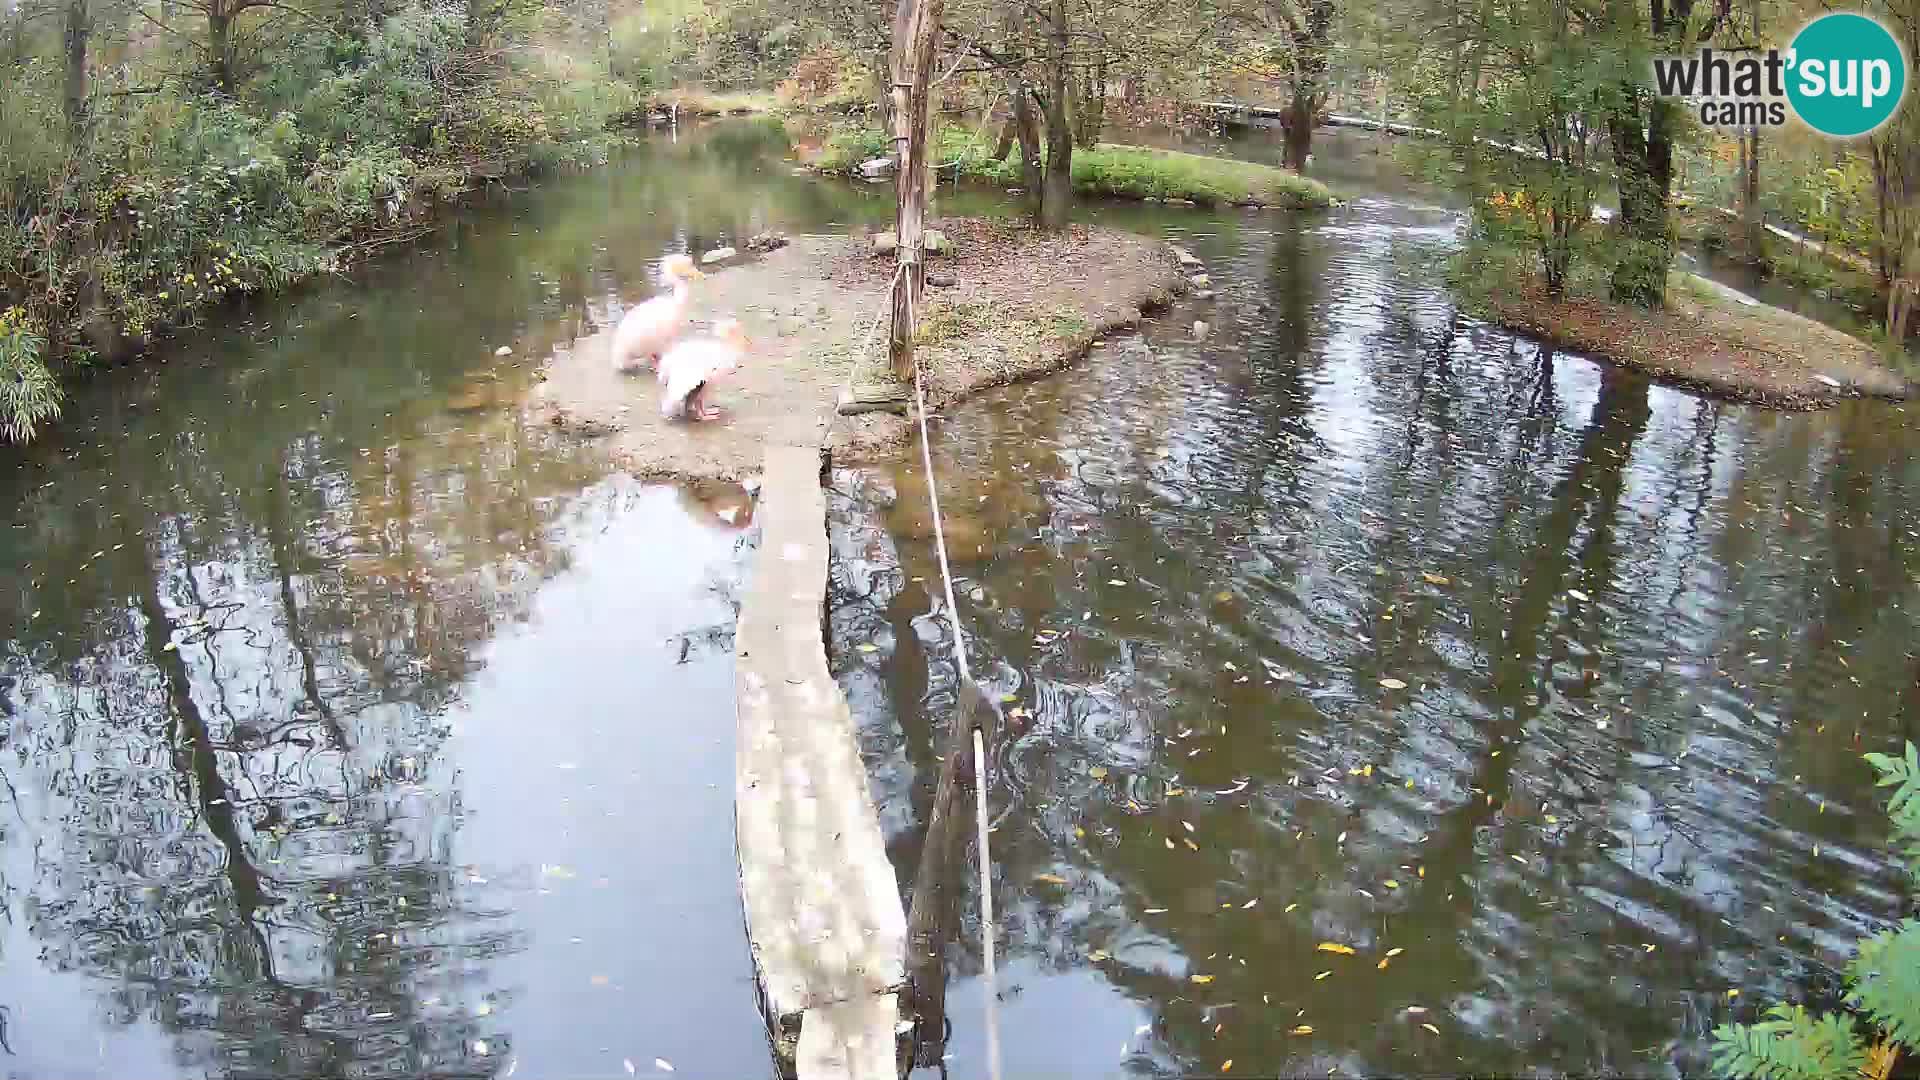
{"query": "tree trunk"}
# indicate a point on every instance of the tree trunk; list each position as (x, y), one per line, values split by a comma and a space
(1027, 127)
(1752, 218)
(883, 93)
(933, 919)
(78, 28)
(1643, 159)
(1056, 194)
(1313, 36)
(1641, 128)
(1009, 131)
(1297, 131)
(220, 47)
(1090, 103)
(915, 25)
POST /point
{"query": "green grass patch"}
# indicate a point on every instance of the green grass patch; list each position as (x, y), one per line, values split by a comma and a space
(1121, 172)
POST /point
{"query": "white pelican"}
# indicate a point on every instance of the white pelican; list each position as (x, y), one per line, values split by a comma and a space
(646, 331)
(690, 366)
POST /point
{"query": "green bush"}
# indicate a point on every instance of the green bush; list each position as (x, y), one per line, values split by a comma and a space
(179, 199)
(28, 393)
(1883, 984)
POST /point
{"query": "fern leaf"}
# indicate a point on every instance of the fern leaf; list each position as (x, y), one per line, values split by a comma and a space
(1885, 980)
(1794, 1046)
(1903, 775)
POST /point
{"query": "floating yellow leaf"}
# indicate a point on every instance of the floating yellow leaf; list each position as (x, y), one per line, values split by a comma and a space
(1188, 825)
(1289, 909)
(1303, 1029)
(1733, 993)
(1393, 684)
(1395, 952)
(1335, 947)
(1392, 884)
(1518, 859)
(1169, 841)
(1422, 871)
(1097, 955)
(1052, 879)
(1190, 843)
(1322, 975)
(1431, 1028)
(1227, 1065)
(1435, 579)
(1368, 771)
(1646, 946)
(1249, 903)
(1578, 595)
(1174, 791)
(1416, 1010)
(1382, 965)
(1203, 979)
(1223, 596)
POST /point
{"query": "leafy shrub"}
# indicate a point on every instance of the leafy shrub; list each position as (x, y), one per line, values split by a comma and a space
(28, 393)
(1883, 984)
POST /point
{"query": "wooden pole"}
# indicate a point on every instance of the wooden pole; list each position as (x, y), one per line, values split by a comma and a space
(915, 24)
(933, 916)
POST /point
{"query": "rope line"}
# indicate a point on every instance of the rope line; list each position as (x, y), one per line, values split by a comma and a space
(966, 674)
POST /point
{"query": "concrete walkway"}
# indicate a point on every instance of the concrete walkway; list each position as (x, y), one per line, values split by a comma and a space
(824, 917)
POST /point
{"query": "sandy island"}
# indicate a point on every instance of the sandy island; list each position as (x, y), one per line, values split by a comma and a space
(1020, 303)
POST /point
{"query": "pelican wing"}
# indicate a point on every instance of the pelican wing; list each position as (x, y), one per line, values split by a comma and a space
(686, 366)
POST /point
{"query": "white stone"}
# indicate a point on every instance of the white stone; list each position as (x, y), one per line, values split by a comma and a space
(721, 254)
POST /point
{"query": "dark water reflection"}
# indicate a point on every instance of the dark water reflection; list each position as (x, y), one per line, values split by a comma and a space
(351, 727)
(1644, 639)
(348, 726)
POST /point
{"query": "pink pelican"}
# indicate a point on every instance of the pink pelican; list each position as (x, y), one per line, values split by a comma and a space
(690, 366)
(647, 330)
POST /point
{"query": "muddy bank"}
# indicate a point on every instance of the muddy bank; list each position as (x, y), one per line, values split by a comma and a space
(1005, 303)
(1710, 340)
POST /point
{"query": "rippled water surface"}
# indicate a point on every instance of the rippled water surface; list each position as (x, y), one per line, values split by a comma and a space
(350, 727)
(1361, 623)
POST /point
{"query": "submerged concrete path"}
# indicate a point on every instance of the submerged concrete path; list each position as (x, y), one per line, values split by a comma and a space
(824, 915)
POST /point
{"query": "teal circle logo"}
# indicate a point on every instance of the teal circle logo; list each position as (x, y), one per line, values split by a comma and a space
(1845, 75)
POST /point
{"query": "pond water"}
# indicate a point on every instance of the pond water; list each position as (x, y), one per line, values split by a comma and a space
(350, 727)
(1361, 623)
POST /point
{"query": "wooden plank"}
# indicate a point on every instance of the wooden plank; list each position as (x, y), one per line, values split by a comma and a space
(823, 911)
(852, 1040)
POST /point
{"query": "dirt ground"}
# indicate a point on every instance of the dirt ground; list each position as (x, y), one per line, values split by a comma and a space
(1020, 303)
(1710, 341)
